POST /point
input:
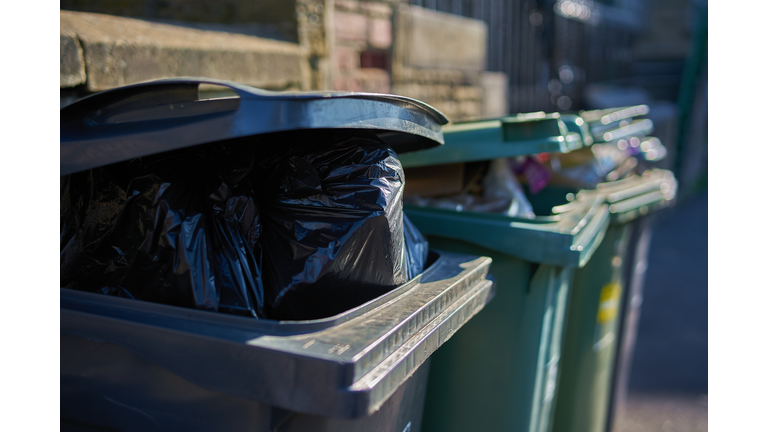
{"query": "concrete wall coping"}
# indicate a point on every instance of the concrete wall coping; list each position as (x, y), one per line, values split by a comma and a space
(104, 51)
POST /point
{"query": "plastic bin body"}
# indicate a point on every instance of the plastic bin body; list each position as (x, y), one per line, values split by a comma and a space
(597, 318)
(590, 337)
(127, 392)
(504, 379)
(500, 373)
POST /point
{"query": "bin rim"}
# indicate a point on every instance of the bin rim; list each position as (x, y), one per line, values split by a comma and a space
(568, 238)
(577, 124)
(139, 119)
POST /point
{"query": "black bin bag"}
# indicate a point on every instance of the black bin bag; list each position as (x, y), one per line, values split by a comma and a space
(333, 224)
(180, 228)
(416, 248)
(188, 227)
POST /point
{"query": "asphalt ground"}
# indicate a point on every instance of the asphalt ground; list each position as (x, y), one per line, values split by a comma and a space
(668, 383)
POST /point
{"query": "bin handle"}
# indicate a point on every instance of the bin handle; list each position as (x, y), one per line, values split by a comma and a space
(147, 95)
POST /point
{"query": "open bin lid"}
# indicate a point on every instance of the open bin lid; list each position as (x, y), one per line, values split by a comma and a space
(519, 135)
(157, 116)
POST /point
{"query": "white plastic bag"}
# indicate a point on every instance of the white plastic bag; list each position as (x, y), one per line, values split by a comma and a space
(501, 183)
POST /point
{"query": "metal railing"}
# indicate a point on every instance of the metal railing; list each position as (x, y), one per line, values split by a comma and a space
(549, 49)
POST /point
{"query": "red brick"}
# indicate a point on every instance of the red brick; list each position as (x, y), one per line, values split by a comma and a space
(346, 83)
(380, 33)
(345, 59)
(350, 26)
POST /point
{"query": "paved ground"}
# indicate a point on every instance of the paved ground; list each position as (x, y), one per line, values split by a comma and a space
(664, 413)
(668, 384)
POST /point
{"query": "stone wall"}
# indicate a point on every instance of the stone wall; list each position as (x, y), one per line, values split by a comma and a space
(102, 52)
(275, 19)
(302, 22)
(313, 20)
(440, 59)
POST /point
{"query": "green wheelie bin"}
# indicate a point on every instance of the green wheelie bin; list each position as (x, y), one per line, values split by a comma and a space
(500, 372)
(599, 309)
(594, 325)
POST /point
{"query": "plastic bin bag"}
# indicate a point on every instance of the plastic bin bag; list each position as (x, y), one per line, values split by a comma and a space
(500, 182)
(244, 227)
(416, 249)
(333, 224)
(180, 229)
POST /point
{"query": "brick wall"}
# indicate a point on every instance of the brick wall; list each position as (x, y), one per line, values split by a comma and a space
(362, 45)
(440, 59)
(387, 46)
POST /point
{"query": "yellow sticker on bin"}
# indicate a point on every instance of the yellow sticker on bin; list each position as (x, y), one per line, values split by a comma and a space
(609, 302)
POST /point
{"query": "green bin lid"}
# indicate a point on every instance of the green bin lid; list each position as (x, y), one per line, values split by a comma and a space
(613, 115)
(578, 125)
(568, 238)
(523, 134)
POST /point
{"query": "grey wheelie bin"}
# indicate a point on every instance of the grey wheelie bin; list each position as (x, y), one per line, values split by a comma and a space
(500, 372)
(134, 365)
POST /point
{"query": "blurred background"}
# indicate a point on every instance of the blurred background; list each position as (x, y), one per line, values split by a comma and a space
(470, 59)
